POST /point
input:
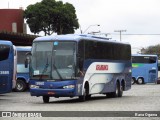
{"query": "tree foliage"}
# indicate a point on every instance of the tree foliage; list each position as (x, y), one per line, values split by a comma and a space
(153, 50)
(51, 16)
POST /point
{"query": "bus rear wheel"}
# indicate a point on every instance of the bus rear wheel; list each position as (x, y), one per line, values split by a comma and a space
(46, 99)
(119, 90)
(133, 81)
(117, 93)
(140, 81)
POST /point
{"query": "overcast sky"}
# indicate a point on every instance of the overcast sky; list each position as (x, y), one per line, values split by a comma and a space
(135, 16)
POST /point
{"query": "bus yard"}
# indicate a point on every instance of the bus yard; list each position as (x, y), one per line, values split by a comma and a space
(140, 98)
(90, 75)
(85, 81)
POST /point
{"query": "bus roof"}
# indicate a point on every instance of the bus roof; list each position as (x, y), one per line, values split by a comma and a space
(75, 37)
(23, 48)
(148, 55)
(6, 42)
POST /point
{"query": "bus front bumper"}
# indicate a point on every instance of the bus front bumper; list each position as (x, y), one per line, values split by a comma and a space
(53, 92)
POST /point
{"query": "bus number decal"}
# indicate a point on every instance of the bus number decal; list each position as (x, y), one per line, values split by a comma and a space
(4, 72)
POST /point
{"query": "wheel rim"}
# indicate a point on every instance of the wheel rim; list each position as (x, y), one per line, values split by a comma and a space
(117, 90)
(19, 86)
(140, 81)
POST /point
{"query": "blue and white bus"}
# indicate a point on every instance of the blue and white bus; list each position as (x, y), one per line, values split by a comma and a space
(7, 80)
(79, 65)
(144, 68)
(22, 72)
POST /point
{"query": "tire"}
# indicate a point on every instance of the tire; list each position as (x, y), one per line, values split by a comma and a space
(20, 86)
(133, 81)
(117, 93)
(120, 91)
(88, 97)
(82, 98)
(46, 99)
(140, 81)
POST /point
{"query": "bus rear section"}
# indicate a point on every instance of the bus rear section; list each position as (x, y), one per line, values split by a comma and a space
(76, 65)
(22, 72)
(144, 68)
(6, 66)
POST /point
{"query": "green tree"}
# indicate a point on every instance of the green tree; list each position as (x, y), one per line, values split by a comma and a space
(153, 50)
(51, 16)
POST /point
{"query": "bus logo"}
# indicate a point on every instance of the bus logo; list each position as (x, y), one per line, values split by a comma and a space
(101, 67)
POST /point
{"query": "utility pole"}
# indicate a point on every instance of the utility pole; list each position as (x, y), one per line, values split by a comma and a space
(120, 32)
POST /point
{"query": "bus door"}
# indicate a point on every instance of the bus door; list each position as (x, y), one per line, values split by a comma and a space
(152, 76)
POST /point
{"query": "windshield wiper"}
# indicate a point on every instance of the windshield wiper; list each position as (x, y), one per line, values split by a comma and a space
(55, 68)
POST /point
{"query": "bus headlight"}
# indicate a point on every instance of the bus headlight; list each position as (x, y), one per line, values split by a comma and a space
(68, 86)
(34, 86)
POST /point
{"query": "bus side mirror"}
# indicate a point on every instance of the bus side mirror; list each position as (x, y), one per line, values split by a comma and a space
(26, 63)
(28, 57)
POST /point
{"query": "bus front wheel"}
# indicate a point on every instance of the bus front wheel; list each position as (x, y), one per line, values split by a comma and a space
(82, 98)
(46, 99)
(20, 86)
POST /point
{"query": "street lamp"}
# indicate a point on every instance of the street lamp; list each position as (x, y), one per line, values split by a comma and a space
(120, 32)
(91, 26)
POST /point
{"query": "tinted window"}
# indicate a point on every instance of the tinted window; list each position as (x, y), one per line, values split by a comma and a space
(4, 52)
(143, 59)
(107, 50)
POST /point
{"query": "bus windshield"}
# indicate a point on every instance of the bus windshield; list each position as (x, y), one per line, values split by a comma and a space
(4, 51)
(20, 62)
(53, 60)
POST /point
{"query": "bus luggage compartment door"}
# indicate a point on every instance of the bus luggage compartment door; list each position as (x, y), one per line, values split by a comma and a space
(152, 76)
